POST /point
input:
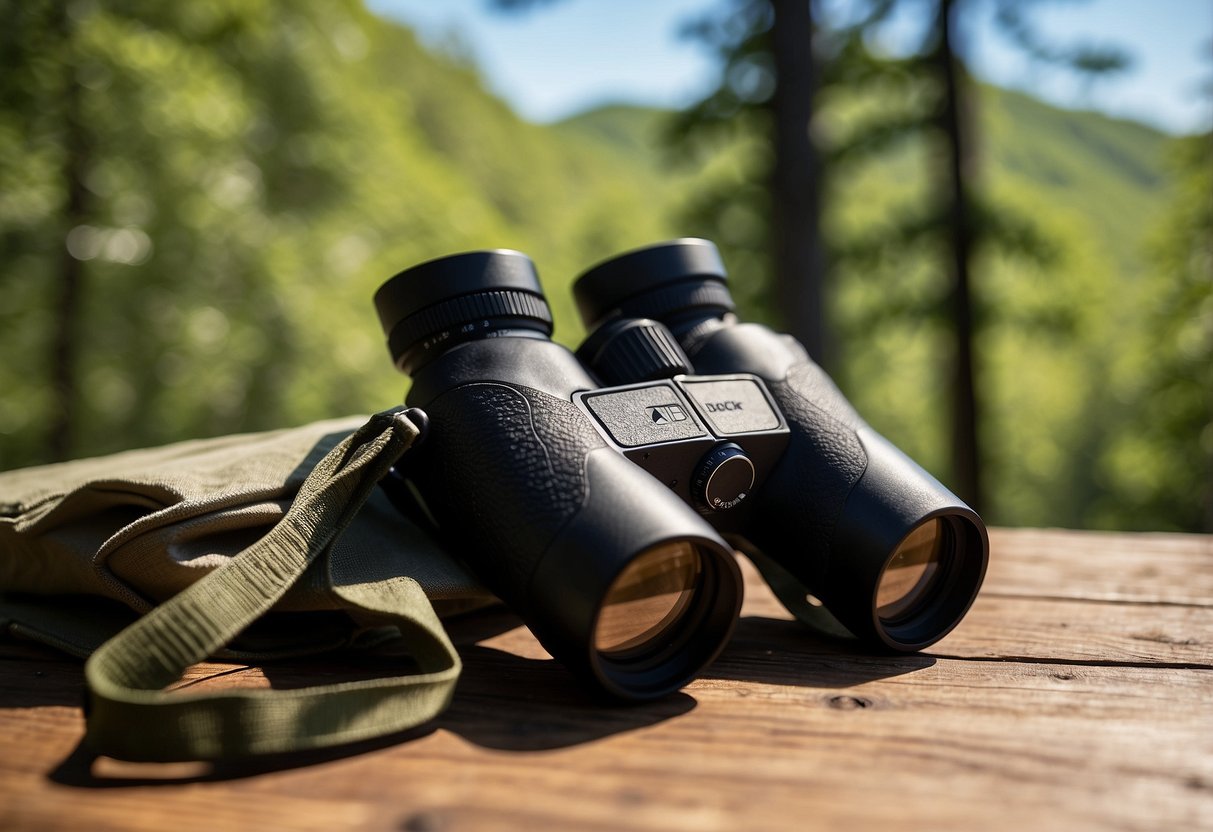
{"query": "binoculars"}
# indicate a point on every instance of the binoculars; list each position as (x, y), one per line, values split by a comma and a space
(601, 495)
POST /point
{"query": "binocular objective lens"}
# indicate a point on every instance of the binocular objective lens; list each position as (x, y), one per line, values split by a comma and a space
(913, 571)
(648, 599)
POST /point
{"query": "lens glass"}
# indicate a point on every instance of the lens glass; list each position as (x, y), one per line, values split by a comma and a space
(912, 572)
(648, 599)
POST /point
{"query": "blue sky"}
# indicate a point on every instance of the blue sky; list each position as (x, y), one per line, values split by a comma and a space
(568, 56)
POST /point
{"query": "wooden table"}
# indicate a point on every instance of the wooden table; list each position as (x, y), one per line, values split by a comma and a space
(1077, 694)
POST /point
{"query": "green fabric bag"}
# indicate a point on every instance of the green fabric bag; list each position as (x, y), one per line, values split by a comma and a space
(203, 539)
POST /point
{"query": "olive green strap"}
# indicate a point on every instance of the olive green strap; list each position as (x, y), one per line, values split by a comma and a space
(795, 596)
(132, 717)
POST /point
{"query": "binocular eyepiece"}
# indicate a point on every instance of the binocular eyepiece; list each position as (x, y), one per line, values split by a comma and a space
(594, 493)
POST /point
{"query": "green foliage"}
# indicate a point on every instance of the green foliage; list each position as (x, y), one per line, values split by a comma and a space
(1055, 225)
(252, 172)
(1157, 467)
(1067, 352)
(1056, 308)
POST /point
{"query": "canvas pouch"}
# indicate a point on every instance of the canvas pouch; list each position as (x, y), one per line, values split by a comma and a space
(251, 547)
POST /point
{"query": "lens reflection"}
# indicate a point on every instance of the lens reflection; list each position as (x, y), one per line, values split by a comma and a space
(912, 571)
(647, 599)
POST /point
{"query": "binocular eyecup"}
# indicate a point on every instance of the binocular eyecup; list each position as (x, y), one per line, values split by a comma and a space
(429, 308)
(665, 282)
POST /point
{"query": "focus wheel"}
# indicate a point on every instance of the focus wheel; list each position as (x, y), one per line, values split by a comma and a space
(723, 478)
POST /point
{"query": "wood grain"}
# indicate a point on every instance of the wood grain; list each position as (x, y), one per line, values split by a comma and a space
(1102, 566)
(1073, 696)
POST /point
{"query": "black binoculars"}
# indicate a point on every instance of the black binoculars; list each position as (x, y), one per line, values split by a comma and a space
(594, 493)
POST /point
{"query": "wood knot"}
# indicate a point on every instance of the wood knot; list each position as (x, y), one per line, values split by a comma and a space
(849, 703)
(422, 822)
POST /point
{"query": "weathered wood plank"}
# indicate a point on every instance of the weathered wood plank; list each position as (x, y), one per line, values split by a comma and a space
(1109, 634)
(1044, 709)
(1059, 628)
(1140, 568)
(950, 744)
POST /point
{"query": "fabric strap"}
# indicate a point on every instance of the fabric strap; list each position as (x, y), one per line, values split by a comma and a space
(132, 717)
(794, 595)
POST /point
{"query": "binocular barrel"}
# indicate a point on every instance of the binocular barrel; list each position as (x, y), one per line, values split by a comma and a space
(617, 578)
(846, 529)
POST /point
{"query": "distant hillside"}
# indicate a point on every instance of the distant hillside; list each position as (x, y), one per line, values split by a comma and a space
(629, 132)
(1064, 332)
(1111, 170)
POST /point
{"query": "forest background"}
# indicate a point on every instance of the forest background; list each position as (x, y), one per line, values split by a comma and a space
(198, 200)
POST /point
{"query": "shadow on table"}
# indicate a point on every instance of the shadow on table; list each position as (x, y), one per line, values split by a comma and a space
(508, 702)
(784, 652)
(503, 701)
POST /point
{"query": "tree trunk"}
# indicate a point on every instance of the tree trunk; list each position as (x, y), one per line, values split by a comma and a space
(966, 464)
(799, 261)
(64, 349)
